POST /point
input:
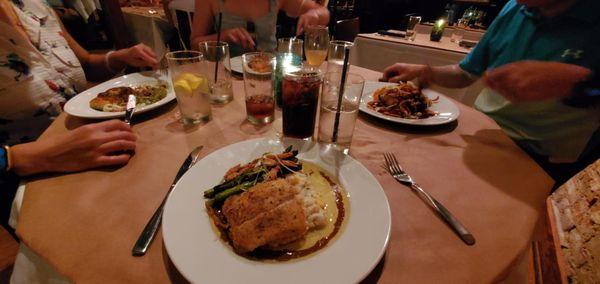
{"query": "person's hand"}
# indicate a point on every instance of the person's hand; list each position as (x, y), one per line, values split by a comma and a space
(406, 72)
(311, 17)
(89, 146)
(238, 36)
(527, 81)
(136, 56)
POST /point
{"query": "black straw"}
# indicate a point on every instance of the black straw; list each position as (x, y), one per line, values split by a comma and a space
(217, 47)
(336, 124)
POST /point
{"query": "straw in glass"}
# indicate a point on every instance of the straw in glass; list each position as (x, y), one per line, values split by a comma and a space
(336, 123)
(217, 47)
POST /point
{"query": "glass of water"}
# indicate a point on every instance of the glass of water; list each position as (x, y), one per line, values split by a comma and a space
(335, 56)
(336, 127)
(220, 81)
(187, 70)
(411, 33)
(258, 84)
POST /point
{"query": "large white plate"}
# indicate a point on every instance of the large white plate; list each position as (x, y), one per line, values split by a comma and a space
(197, 252)
(446, 110)
(80, 105)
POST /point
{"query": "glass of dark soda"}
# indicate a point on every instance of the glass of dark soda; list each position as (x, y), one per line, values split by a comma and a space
(301, 91)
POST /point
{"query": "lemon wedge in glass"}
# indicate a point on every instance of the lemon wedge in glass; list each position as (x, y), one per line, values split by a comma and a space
(188, 82)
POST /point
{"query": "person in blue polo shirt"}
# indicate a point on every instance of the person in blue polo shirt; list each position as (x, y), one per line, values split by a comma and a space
(537, 59)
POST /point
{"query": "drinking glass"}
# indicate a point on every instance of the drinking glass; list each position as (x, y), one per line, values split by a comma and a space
(300, 98)
(348, 109)
(316, 42)
(411, 33)
(457, 34)
(289, 58)
(187, 70)
(335, 56)
(220, 87)
(258, 75)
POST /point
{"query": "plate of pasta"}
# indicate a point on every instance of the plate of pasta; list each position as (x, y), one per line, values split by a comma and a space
(407, 104)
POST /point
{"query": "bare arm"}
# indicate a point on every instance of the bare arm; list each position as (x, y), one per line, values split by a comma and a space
(97, 65)
(204, 19)
(450, 76)
(308, 13)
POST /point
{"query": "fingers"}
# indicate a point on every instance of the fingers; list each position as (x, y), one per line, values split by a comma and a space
(391, 71)
(401, 78)
(246, 38)
(112, 160)
(240, 36)
(116, 146)
(300, 25)
(147, 50)
(112, 125)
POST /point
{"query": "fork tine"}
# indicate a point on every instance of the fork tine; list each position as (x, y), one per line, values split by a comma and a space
(395, 163)
(389, 162)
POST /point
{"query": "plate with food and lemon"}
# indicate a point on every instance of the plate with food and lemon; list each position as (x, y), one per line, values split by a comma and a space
(109, 99)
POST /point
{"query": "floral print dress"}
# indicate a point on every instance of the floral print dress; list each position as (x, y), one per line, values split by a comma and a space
(38, 74)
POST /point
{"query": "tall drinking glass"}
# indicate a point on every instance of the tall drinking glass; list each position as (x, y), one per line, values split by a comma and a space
(289, 58)
(301, 91)
(220, 87)
(335, 56)
(348, 110)
(411, 33)
(258, 84)
(187, 70)
(316, 42)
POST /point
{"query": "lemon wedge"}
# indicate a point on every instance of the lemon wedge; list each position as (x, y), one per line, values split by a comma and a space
(182, 86)
(195, 82)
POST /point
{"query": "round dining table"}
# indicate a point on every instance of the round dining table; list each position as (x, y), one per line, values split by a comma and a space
(84, 224)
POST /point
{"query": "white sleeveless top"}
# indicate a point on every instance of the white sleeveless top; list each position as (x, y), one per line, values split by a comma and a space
(37, 74)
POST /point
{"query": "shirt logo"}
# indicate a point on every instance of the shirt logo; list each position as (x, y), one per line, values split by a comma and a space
(572, 53)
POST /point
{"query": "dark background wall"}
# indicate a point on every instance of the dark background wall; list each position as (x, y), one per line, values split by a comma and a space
(390, 14)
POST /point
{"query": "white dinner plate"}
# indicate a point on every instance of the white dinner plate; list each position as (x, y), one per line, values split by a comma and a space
(446, 111)
(236, 65)
(201, 256)
(80, 104)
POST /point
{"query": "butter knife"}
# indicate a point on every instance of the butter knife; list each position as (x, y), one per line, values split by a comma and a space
(147, 235)
(131, 102)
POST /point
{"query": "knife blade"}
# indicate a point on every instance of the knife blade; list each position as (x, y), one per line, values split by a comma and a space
(131, 102)
(147, 235)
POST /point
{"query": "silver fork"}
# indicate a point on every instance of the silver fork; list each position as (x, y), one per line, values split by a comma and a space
(392, 166)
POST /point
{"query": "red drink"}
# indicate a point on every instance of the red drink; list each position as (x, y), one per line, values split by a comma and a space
(260, 108)
(300, 98)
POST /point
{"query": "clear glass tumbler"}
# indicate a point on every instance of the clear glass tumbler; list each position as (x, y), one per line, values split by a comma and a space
(187, 70)
(258, 84)
(301, 91)
(221, 91)
(337, 127)
(335, 56)
(411, 33)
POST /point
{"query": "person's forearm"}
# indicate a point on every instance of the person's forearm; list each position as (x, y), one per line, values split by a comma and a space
(451, 76)
(96, 68)
(27, 160)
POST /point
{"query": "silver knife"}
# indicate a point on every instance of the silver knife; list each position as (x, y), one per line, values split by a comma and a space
(131, 102)
(147, 235)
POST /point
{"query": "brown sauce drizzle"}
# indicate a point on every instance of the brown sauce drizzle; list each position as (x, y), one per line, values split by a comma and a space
(283, 255)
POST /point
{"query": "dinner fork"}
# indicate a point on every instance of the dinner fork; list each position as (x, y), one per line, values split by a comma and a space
(392, 166)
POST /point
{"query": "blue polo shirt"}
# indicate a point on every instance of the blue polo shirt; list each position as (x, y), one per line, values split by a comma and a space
(549, 128)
